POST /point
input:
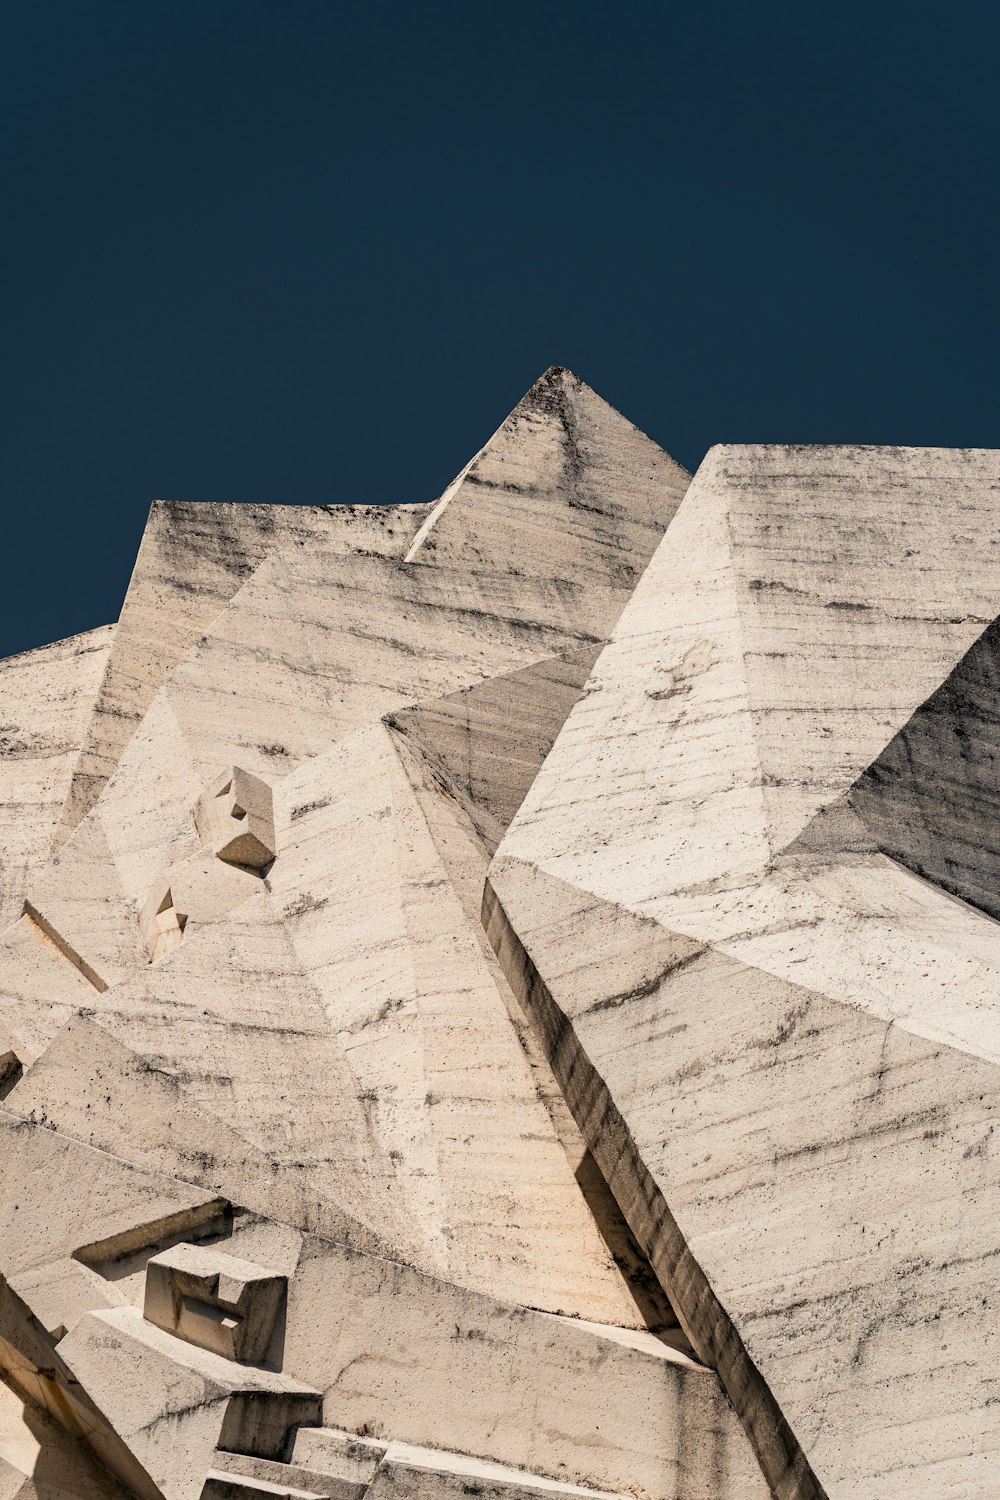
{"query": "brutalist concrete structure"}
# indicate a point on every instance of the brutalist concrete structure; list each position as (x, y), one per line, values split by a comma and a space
(502, 996)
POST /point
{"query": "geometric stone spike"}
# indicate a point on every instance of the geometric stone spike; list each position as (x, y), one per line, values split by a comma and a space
(235, 819)
(335, 1048)
(213, 1300)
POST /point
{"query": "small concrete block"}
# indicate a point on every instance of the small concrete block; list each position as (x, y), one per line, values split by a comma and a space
(215, 1301)
(160, 922)
(235, 819)
(339, 1455)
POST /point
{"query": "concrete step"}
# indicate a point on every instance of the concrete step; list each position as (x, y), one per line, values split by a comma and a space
(295, 1478)
(404, 1471)
(339, 1455)
(409, 1472)
(220, 1486)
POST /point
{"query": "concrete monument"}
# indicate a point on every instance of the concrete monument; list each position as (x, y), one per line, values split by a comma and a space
(501, 997)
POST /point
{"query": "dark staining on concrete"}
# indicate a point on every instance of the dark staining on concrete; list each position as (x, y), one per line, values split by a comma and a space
(305, 903)
(787, 1027)
(305, 808)
(645, 987)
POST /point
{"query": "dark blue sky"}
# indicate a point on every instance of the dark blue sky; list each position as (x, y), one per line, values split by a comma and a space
(303, 251)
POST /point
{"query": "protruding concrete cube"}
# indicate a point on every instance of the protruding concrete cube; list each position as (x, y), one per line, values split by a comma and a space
(161, 922)
(213, 1300)
(235, 819)
(200, 890)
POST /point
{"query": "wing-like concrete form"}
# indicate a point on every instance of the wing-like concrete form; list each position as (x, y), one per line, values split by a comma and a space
(729, 903)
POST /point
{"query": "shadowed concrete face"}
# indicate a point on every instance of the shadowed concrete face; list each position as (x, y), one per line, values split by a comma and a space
(932, 798)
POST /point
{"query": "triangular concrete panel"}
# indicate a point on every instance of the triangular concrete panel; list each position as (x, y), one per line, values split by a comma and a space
(487, 743)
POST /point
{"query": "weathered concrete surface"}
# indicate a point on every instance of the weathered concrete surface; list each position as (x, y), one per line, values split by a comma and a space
(192, 560)
(390, 1351)
(781, 1045)
(46, 697)
(377, 1052)
(325, 1039)
(744, 994)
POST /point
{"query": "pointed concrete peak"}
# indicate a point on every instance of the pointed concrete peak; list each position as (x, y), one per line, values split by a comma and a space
(552, 376)
(562, 405)
(545, 396)
(560, 374)
(550, 389)
(555, 377)
(565, 476)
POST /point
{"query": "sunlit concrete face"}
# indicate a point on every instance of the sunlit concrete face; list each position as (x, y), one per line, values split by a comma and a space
(497, 995)
(746, 899)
